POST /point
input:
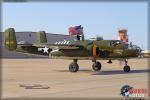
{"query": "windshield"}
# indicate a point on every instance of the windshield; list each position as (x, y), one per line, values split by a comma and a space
(130, 46)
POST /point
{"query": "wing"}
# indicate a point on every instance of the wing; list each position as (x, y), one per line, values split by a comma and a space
(56, 46)
(39, 49)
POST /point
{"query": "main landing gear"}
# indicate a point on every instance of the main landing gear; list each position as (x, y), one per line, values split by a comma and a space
(74, 67)
(96, 65)
(126, 67)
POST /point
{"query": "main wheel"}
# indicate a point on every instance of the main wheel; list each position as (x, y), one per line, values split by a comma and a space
(96, 66)
(73, 67)
(126, 68)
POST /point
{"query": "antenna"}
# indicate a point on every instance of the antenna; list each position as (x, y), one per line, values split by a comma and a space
(142, 47)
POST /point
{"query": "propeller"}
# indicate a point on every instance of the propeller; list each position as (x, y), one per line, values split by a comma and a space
(139, 52)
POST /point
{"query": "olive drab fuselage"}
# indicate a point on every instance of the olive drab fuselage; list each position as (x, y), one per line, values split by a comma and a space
(98, 49)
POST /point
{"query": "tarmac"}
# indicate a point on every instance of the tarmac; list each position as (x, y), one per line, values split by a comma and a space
(50, 78)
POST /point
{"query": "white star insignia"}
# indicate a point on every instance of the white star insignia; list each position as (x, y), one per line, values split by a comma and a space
(45, 49)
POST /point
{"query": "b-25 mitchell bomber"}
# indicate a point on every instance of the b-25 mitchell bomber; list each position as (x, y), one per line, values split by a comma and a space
(94, 50)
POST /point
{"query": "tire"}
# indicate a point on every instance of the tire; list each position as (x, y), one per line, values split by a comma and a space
(96, 66)
(73, 67)
(126, 68)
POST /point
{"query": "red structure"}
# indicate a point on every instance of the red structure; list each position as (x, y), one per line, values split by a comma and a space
(76, 30)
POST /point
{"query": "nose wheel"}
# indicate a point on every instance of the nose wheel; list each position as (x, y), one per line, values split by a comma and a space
(126, 67)
(74, 67)
(96, 66)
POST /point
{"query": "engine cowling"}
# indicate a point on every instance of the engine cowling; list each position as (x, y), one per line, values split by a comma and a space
(93, 50)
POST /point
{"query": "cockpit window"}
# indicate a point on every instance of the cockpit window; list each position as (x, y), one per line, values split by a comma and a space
(115, 43)
(126, 46)
(130, 46)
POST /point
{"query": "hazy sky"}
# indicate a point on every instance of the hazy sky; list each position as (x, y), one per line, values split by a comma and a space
(97, 18)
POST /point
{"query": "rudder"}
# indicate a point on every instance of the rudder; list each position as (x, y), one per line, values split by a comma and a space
(41, 37)
(10, 39)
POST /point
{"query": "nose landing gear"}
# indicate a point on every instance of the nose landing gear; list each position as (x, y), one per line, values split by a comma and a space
(126, 67)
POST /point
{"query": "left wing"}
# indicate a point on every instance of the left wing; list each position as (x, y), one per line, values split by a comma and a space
(54, 46)
(43, 49)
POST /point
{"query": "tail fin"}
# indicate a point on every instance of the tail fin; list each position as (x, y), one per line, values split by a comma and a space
(10, 39)
(41, 37)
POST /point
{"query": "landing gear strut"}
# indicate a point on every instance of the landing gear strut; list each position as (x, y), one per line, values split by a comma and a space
(126, 67)
(96, 65)
(74, 67)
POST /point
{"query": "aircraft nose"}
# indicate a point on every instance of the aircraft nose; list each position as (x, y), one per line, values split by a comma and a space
(138, 51)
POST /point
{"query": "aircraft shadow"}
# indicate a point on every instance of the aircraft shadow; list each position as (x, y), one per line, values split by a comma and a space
(80, 70)
(113, 72)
